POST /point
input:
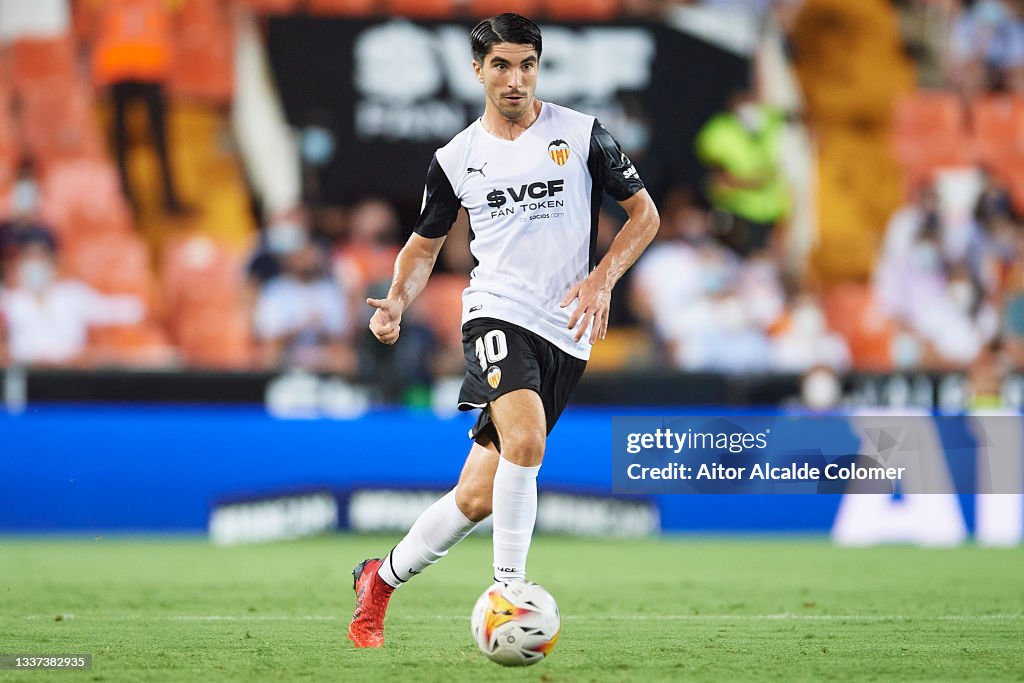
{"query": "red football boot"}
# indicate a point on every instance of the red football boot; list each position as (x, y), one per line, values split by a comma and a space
(372, 596)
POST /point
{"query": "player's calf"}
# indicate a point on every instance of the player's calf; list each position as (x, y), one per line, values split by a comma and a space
(475, 504)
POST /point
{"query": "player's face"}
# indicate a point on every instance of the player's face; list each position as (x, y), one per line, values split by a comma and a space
(509, 75)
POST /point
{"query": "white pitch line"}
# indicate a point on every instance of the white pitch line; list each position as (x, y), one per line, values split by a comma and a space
(784, 616)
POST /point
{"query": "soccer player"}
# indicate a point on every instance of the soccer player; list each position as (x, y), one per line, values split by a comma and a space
(530, 175)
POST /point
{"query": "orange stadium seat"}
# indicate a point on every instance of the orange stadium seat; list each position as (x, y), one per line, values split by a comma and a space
(853, 312)
(59, 123)
(930, 133)
(440, 306)
(1010, 172)
(119, 264)
(199, 269)
(425, 9)
(84, 223)
(588, 10)
(83, 196)
(489, 8)
(214, 337)
(10, 147)
(8, 127)
(202, 285)
(204, 52)
(998, 126)
(50, 60)
(141, 345)
(83, 20)
(114, 263)
(271, 6)
(344, 8)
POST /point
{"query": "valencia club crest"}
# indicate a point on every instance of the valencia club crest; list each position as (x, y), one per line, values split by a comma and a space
(494, 376)
(558, 150)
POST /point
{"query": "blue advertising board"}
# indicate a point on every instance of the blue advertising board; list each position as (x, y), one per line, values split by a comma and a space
(164, 469)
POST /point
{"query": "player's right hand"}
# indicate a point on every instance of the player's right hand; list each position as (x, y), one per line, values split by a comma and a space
(386, 320)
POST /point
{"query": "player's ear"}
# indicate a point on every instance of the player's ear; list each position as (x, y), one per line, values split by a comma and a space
(478, 70)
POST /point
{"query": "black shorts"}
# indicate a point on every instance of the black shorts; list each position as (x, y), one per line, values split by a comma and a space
(502, 357)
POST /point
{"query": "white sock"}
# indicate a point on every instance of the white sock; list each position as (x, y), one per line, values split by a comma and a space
(440, 527)
(514, 510)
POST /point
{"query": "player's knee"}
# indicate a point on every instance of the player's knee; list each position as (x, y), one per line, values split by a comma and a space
(474, 502)
(525, 447)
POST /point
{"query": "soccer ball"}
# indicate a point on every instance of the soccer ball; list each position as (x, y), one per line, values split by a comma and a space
(516, 623)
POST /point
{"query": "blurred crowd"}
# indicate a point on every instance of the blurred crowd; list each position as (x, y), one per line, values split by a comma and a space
(970, 45)
(718, 290)
(945, 289)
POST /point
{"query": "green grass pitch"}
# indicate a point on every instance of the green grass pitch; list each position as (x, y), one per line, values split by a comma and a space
(677, 609)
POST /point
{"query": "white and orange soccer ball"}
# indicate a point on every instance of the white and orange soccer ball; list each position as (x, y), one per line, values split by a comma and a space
(516, 623)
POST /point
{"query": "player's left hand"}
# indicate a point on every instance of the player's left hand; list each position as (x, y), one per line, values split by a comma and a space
(595, 299)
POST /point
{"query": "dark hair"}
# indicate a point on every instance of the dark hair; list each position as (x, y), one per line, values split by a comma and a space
(33, 234)
(503, 28)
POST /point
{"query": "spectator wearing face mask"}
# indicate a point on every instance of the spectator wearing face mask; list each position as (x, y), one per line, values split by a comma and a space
(284, 234)
(46, 318)
(704, 306)
(741, 149)
(23, 205)
(964, 321)
(911, 261)
(992, 250)
(301, 318)
(938, 304)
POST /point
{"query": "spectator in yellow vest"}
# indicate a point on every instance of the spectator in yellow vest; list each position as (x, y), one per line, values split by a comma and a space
(741, 149)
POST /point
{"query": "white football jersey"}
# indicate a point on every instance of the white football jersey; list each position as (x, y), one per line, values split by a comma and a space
(533, 204)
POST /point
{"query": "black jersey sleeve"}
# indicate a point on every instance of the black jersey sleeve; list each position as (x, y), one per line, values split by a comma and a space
(609, 166)
(440, 205)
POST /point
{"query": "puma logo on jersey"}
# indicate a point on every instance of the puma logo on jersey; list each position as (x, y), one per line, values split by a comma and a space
(470, 170)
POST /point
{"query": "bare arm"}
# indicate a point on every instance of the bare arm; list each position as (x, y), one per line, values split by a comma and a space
(595, 291)
(412, 269)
